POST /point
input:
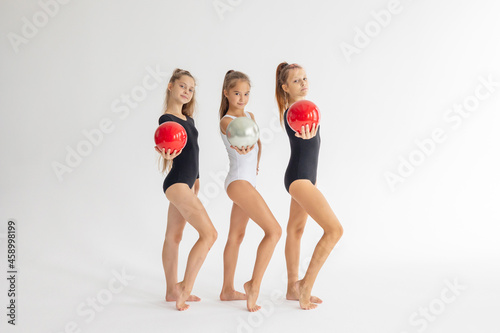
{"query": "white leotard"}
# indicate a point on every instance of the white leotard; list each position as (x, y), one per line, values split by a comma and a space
(241, 167)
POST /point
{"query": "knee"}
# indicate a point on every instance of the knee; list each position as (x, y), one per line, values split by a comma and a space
(295, 231)
(210, 236)
(174, 239)
(274, 233)
(334, 233)
(213, 236)
(277, 233)
(236, 238)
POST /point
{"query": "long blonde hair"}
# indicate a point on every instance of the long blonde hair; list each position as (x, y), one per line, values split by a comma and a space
(230, 81)
(282, 73)
(187, 110)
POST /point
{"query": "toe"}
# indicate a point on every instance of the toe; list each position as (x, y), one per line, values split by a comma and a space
(255, 308)
(316, 300)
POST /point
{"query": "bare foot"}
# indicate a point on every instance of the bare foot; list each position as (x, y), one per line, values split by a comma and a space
(252, 296)
(304, 296)
(232, 295)
(172, 296)
(292, 294)
(180, 302)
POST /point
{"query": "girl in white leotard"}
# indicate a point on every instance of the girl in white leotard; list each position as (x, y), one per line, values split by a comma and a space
(247, 202)
(241, 166)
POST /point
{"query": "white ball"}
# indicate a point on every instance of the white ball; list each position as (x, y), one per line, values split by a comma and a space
(242, 132)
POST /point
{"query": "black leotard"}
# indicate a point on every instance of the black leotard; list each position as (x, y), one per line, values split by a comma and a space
(303, 162)
(185, 166)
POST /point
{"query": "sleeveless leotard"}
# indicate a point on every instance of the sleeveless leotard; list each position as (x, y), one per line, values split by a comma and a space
(303, 162)
(185, 166)
(241, 167)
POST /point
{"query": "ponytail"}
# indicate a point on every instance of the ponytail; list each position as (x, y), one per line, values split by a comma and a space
(281, 78)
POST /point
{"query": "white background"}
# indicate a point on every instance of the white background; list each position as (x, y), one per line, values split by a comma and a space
(400, 245)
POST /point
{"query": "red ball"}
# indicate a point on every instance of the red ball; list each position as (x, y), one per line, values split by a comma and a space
(170, 135)
(302, 113)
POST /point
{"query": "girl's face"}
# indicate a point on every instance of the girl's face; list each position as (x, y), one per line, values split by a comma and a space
(238, 95)
(182, 89)
(296, 85)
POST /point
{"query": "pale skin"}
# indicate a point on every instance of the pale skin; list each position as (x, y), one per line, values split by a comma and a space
(247, 204)
(184, 206)
(306, 201)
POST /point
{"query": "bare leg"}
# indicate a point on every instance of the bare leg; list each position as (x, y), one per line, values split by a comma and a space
(295, 229)
(251, 202)
(192, 210)
(238, 224)
(314, 203)
(170, 253)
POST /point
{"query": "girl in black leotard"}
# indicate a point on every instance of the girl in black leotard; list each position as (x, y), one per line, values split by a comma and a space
(185, 166)
(300, 182)
(181, 187)
(303, 163)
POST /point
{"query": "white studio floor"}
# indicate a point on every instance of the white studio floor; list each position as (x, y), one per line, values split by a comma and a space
(399, 297)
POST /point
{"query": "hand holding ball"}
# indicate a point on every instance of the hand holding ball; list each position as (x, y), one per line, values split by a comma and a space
(302, 113)
(242, 132)
(170, 135)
